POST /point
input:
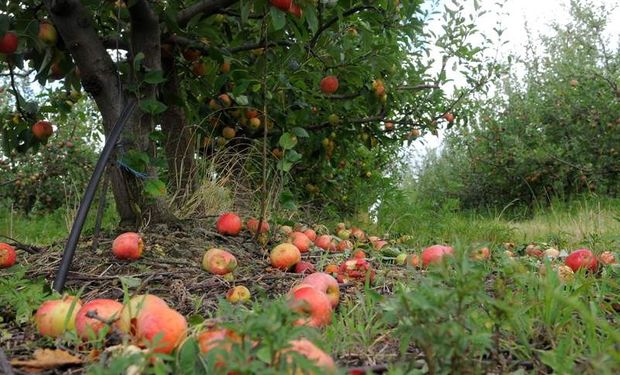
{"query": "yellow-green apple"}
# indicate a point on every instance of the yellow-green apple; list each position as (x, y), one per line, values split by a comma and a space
(581, 258)
(160, 328)
(325, 283)
(312, 304)
(47, 33)
(128, 245)
(344, 234)
(252, 225)
(8, 256)
(284, 256)
(238, 294)
(301, 241)
(218, 261)
(435, 253)
(401, 259)
(228, 224)
(105, 310)
(304, 267)
(55, 317)
(329, 84)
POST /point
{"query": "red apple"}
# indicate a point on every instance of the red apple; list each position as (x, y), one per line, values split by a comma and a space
(358, 234)
(295, 10)
(55, 317)
(307, 349)
(8, 256)
(354, 270)
(47, 33)
(128, 245)
(252, 225)
(161, 329)
(238, 294)
(329, 84)
(534, 250)
(448, 116)
(358, 254)
(225, 100)
(606, 257)
(435, 253)
(378, 244)
(331, 269)
(313, 304)
(344, 245)
(304, 267)
(311, 234)
(581, 258)
(106, 309)
(300, 240)
(282, 4)
(219, 262)
(325, 283)
(42, 130)
(191, 54)
(8, 43)
(284, 256)
(325, 242)
(228, 224)
(134, 307)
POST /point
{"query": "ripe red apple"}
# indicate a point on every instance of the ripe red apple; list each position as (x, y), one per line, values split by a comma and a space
(42, 129)
(329, 84)
(225, 100)
(344, 245)
(8, 43)
(225, 67)
(325, 242)
(106, 309)
(251, 113)
(218, 339)
(134, 307)
(238, 294)
(378, 244)
(128, 245)
(311, 234)
(283, 5)
(312, 303)
(295, 10)
(228, 224)
(606, 257)
(304, 267)
(191, 54)
(7, 255)
(219, 262)
(358, 254)
(307, 349)
(325, 283)
(284, 256)
(354, 270)
(301, 241)
(55, 317)
(252, 226)
(581, 258)
(435, 253)
(448, 116)
(47, 33)
(161, 329)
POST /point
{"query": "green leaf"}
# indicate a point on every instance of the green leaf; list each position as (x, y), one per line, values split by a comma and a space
(287, 141)
(300, 132)
(311, 18)
(154, 77)
(264, 354)
(137, 61)
(152, 106)
(278, 18)
(154, 188)
(287, 200)
(130, 282)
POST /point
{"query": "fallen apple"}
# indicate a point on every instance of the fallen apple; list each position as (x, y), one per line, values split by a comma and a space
(106, 311)
(313, 304)
(228, 224)
(252, 226)
(435, 253)
(128, 246)
(307, 349)
(304, 267)
(301, 241)
(325, 283)
(55, 317)
(581, 258)
(284, 256)
(8, 256)
(160, 329)
(238, 294)
(219, 262)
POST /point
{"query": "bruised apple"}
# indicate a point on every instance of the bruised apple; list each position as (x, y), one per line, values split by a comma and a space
(355, 270)
(313, 304)
(304, 267)
(238, 294)
(252, 226)
(325, 283)
(105, 309)
(219, 262)
(284, 256)
(581, 258)
(128, 246)
(55, 317)
(435, 253)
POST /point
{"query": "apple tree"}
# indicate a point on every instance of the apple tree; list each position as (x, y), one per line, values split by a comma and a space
(328, 90)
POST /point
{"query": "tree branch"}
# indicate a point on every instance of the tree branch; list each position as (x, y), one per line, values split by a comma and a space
(335, 19)
(206, 7)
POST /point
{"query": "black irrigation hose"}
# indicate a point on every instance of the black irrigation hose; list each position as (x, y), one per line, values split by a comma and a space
(76, 229)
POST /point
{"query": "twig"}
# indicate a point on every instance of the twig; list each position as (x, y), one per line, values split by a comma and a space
(5, 365)
(17, 96)
(335, 19)
(27, 248)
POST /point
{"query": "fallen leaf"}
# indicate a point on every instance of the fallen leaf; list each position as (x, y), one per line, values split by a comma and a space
(45, 359)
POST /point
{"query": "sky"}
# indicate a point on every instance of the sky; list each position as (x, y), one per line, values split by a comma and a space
(538, 15)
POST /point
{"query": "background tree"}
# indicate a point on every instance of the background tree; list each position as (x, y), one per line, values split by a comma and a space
(215, 75)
